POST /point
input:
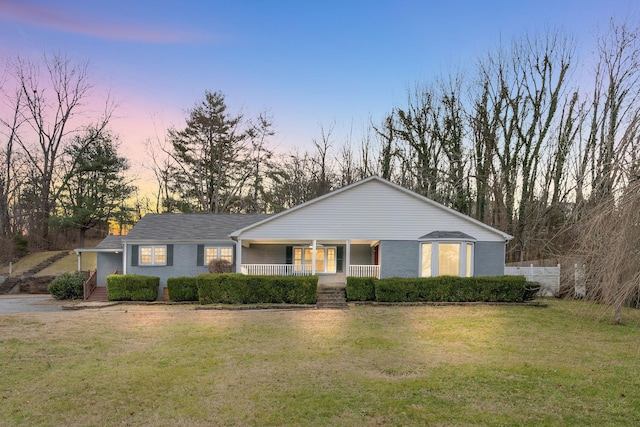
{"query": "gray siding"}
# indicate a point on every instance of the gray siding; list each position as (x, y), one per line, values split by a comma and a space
(361, 255)
(277, 254)
(489, 259)
(184, 263)
(399, 258)
(264, 254)
(107, 263)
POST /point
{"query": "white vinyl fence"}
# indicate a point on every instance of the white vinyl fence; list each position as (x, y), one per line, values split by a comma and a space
(548, 277)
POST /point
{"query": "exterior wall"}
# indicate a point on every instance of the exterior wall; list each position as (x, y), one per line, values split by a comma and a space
(401, 216)
(184, 264)
(489, 259)
(361, 255)
(264, 254)
(399, 258)
(107, 263)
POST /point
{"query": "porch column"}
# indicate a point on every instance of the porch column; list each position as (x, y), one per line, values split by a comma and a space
(347, 258)
(79, 254)
(124, 259)
(239, 256)
(313, 257)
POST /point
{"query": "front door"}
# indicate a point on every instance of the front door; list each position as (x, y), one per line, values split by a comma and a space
(325, 258)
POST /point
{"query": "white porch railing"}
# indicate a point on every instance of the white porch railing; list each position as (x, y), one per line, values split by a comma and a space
(276, 269)
(302, 270)
(364, 271)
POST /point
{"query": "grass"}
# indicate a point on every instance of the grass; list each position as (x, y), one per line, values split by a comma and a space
(67, 264)
(566, 364)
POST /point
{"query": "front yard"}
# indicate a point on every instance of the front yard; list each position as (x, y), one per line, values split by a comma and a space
(177, 366)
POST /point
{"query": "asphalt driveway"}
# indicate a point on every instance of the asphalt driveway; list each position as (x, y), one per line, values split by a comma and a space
(12, 304)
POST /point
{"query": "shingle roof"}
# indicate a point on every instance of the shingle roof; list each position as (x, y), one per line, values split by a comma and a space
(190, 227)
(110, 242)
(436, 235)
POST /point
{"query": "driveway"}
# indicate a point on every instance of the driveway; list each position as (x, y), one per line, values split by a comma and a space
(11, 304)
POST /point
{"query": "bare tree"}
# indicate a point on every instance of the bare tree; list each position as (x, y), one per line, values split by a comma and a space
(607, 245)
(50, 99)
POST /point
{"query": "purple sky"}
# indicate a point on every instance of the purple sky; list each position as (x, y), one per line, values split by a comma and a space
(307, 64)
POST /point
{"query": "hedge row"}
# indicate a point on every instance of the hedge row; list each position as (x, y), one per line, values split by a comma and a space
(132, 287)
(233, 288)
(441, 289)
(183, 289)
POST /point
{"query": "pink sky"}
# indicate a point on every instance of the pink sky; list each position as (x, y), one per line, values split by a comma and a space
(308, 64)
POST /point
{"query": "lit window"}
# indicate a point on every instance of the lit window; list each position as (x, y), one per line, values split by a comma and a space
(325, 259)
(226, 254)
(469, 259)
(426, 260)
(447, 259)
(210, 254)
(218, 254)
(152, 255)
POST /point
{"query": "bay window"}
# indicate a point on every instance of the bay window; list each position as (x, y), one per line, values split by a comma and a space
(446, 258)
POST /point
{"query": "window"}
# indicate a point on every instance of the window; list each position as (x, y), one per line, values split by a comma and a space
(215, 254)
(325, 259)
(449, 259)
(426, 260)
(152, 255)
(446, 259)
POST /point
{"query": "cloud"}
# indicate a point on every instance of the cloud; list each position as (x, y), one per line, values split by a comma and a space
(64, 20)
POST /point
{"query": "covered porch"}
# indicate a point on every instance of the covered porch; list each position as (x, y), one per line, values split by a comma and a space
(332, 260)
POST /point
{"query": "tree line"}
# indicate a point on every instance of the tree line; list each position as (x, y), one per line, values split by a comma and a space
(528, 140)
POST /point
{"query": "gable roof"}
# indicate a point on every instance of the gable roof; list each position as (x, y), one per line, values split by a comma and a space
(355, 211)
(187, 227)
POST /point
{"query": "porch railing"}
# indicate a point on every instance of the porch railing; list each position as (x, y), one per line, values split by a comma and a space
(90, 284)
(276, 269)
(301, 270)
(364, 271)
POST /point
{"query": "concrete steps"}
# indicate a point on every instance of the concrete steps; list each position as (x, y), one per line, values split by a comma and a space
(332, 297)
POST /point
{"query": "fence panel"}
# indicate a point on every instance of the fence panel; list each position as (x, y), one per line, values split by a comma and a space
(548, 277)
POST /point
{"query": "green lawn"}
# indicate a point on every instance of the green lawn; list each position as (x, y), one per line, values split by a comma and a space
(67, 264)
(566, 364)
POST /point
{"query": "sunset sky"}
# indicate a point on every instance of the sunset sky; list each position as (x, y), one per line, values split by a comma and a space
(308, 64)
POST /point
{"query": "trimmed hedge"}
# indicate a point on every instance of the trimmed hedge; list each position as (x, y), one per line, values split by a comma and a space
(183, 289)
(452, 289)
(441, 289)
(132, 287)
(67, 286)
(361, 288)
(234, 288)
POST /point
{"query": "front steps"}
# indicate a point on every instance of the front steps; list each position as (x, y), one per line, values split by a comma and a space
(332, 297)
(99, 294)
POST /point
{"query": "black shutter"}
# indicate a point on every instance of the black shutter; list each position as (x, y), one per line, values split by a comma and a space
(169, 254)
(134, 255)
(339, 257)
(200, 256)
(289, 255)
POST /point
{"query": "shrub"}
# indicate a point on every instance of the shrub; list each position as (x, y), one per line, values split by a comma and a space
(132, 287)
(68, 286)
(451, 289)
(182, 289)
(233, 288)
(220, 266)
(361, 289)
